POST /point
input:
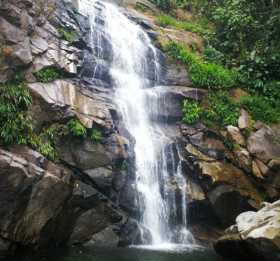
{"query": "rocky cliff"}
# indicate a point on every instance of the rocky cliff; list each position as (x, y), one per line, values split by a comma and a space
(76, 186)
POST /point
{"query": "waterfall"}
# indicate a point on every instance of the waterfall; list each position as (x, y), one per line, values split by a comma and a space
(135, 70)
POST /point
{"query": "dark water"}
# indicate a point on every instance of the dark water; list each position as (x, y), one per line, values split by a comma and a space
(124, 254)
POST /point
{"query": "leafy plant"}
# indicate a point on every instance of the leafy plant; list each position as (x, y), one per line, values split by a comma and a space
(96, 135)
(203, 74)
(15, 124)
(221, 110)
(167, 20)
(191, 111)
(47, 74)
(68, 35)
(76, 128)
(261, 109)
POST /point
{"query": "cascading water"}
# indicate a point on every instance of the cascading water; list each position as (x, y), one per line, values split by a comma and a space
(134, 69)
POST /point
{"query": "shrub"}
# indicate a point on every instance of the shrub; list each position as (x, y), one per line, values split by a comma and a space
(68, 35)
(221, 110)
(15, 124)
(261, 109)
(167, 20)
(203, 74)
(47, 74)
(77, 129)
(191, 111)
(96, 135)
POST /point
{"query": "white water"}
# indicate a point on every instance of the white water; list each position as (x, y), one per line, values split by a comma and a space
(134, 57)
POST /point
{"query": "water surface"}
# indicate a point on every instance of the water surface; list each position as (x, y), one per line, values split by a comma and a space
(126, 254)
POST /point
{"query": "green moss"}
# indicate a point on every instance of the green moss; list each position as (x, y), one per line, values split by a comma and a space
(68, 35)
(203, 74)
(48, 74)
(191, 112)
(169, 21)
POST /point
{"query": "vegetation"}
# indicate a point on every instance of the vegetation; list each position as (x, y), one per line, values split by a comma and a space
(203, 74)
(191, 112)
(96, 135)
(221, 110)
(15, 100)
(261, 109)
(16, 125)
(76, 128)
(68, 35)
(243, 50)
(48, 74)
(167, 20)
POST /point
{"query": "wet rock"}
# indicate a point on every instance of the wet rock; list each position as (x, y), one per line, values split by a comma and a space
(108, 237)
(84, 154)
(176, 74)
(102, 177)
(210, 143)
(255, 235)
(101, 215)
(227, 203)
(133, 234)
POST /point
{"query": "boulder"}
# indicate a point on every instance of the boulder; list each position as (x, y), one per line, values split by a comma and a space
(244, 120)
(243, 159)
(29, 193)
(63, 95)
(255, 236)
(225, 173)
(264, 144)
(235, 135)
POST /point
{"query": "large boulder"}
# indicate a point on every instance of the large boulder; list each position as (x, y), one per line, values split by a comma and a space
(255, 236)
(63, 97)
(264, 144)
(28, 193)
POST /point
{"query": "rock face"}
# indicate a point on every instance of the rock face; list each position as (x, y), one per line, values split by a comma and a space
(256, 235)
(48, 193)
(76, 199)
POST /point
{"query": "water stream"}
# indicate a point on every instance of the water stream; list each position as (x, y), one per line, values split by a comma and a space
(135, 71)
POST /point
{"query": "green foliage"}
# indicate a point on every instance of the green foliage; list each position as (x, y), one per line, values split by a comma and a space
(221, 110)
(248, 33)
(77, 129)
(47, 74)
(167, 20)
(15, 124)
(96, 135)
(212, 55)
(203, 74)
(191, 111)
(261, 109)
(141, 7)
(68, 35)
